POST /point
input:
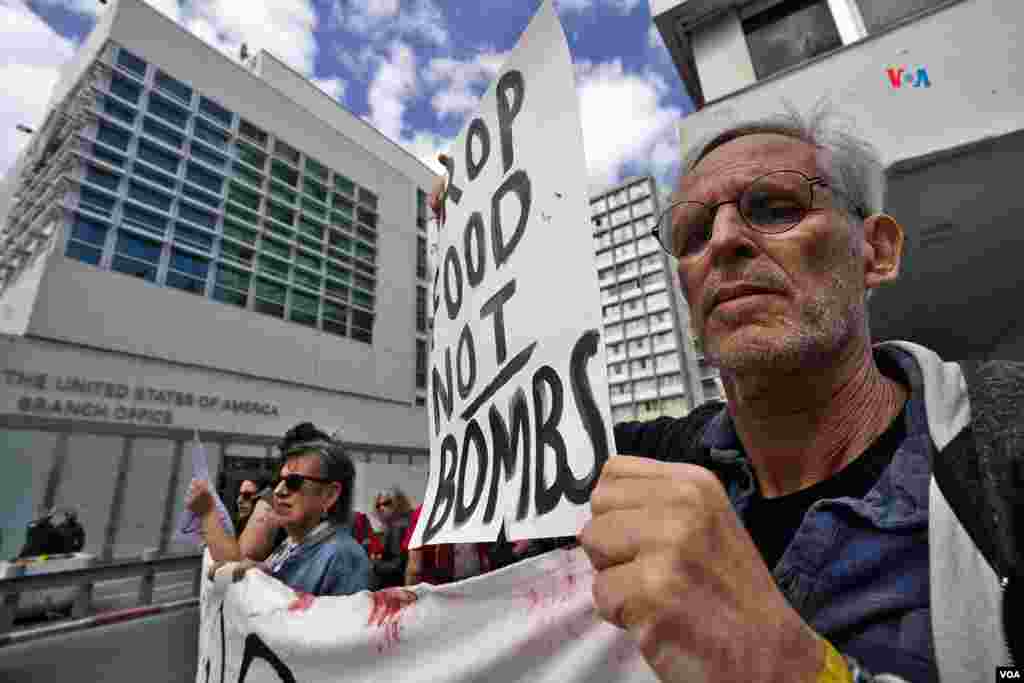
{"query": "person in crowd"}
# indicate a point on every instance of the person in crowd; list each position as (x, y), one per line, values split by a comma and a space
(312, 497)
(248, 492)
(444, 562)
(785, 534)
(389, 558)
(368, 532)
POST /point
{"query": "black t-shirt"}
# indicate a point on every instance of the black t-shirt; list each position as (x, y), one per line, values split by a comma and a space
(772, 522)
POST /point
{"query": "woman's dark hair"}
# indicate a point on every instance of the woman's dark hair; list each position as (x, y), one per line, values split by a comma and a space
(335, 465)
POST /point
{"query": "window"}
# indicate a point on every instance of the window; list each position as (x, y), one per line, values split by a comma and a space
(236, 253)
(215, 111)
(244, 196)
(344, 185)
(247, 175)
(266, 264)
(269, 298)
(106, 156)
(89, 231)
(421, 208)
(200, 196)
(315, 190)
(623, 234)
(241, 214)
(336, 289)
(197, 216)
(307, 261)
(119, 111)
(141, 219)
(285, 151)
(113, 136)
(230, 296)
(239, 231)
(334, 318)
(208, 157)
(362, 326)
(163, 108)
(173, 87)
(251, 155)
(84, 253)
(136, 256)
(421, 257)
(204, 179)
(309, 206)
(304, 309)
(125, 88)
(280, 249)
(184, 234)
(162, 179)
(253, 133)
(421, 364)
(367, 198)
(881, 14)
(94, 201)
(104, 179)
(345, 206)
(130, 62)
(367, 217)
(188, 272)
(315, 168)
(233, 278)
(282, 192)
(653, 278)
(421, 309)
(283, 173)
(280, 213)
(621, 216)
(210, 135)
(789, 33)
(163, 133)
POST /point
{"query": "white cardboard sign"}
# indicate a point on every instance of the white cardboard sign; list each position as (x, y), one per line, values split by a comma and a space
(517, 398)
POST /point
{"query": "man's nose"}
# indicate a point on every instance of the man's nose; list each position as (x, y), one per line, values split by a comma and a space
(730, 235)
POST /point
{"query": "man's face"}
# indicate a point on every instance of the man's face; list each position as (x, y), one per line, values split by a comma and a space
(247, 498)
(306, 506)
(813, 273)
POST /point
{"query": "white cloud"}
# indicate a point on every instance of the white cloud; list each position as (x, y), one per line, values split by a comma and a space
(625, 123)
(387, 20)
(620, 6)
(33, 54)
(392, 87)
(334, 87)
(462, 82)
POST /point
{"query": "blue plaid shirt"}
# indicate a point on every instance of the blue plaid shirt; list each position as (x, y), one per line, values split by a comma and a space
(857, 569)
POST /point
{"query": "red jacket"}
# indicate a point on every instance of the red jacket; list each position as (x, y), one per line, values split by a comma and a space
(362, 531)
(437, 564)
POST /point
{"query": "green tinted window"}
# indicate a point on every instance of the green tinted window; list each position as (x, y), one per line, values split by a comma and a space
(251, 155)
(344, 185)
(271, 291)
(242, 214)
(284, 173)
(305, 279)
(248, 175)
(339, 273)
(336, 289)
(236, 279)
(237, 253)
(273, 266)
(313, 208)
(244, 196)
(308, 227)
(276, 248)
(307, 261)
(280, 213)
(240, 232)
(315, 168)
(315, 190)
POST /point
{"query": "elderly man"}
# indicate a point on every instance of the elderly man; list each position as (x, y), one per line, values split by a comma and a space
(785, 535)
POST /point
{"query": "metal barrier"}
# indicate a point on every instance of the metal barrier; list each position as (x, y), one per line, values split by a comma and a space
(83, 581)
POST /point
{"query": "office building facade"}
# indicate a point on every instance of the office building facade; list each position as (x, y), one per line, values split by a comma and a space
(194, 245)
(932, 84)
(654, 367)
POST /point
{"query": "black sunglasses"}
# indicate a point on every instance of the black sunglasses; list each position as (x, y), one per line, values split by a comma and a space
(293, 482)
(247, 495)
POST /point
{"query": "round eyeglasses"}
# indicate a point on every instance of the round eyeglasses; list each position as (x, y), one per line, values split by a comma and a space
(771, 204)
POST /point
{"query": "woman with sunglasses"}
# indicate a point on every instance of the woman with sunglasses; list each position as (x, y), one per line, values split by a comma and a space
(392, 508)
(311, 502)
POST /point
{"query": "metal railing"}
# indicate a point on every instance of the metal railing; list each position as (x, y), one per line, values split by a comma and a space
(84, 580)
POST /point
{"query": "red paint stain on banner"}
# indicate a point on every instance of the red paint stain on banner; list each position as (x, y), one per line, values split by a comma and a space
(302, 603)
(386, 614)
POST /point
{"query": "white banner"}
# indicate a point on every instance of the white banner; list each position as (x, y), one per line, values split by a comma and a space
(533, 621)
(517, 401)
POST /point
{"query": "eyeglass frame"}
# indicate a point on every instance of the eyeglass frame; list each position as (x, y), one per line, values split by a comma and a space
(713, 208)
(276, 481)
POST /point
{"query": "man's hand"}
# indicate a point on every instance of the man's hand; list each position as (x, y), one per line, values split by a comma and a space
(239, 570)
(199, 499)
(677, 569)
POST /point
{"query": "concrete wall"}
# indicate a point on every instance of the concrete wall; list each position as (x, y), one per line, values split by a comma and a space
(18, 301)
(723, 60)
(972, 52)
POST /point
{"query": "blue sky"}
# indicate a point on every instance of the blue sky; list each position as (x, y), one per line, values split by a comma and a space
(412, 68)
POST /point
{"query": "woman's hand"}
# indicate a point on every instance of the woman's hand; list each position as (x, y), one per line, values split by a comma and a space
(199, 499)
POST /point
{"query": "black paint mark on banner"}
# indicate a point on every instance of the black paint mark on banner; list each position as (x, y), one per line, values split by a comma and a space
(444, 395)
(578, 490)
(453, 190)
(517, 363)
(548, 435)
(510, 80)
(223, 645)
(478, 129)
(475, 435)
(445, 488)
(506, 444)
(496, 306)
(255, 649)
(475, 270)
(519, 183)
(451, 258)
(465, 350)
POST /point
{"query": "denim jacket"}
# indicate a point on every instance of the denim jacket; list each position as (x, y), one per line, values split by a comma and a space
(857, 569)
(336, 566)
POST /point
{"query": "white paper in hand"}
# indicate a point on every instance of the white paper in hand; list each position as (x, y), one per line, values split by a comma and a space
(190, 525)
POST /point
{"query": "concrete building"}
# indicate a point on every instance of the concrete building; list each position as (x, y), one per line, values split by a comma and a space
(935, 85)
(654, 367)
(193, 244)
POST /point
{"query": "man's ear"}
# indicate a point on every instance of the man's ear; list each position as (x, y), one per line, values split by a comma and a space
(883, 249)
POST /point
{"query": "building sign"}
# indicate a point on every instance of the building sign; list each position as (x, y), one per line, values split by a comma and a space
(900, 76)
(89, 398)
(517, 435)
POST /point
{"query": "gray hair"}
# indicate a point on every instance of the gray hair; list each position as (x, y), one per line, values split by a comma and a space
(850, 164)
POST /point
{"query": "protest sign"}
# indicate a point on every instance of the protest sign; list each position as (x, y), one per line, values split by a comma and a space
(532, 621)
(189, 526)
(517, 396)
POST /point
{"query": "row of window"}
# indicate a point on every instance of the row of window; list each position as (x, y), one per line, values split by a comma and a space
(138, 255)
(621, 198)
(668, 383)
